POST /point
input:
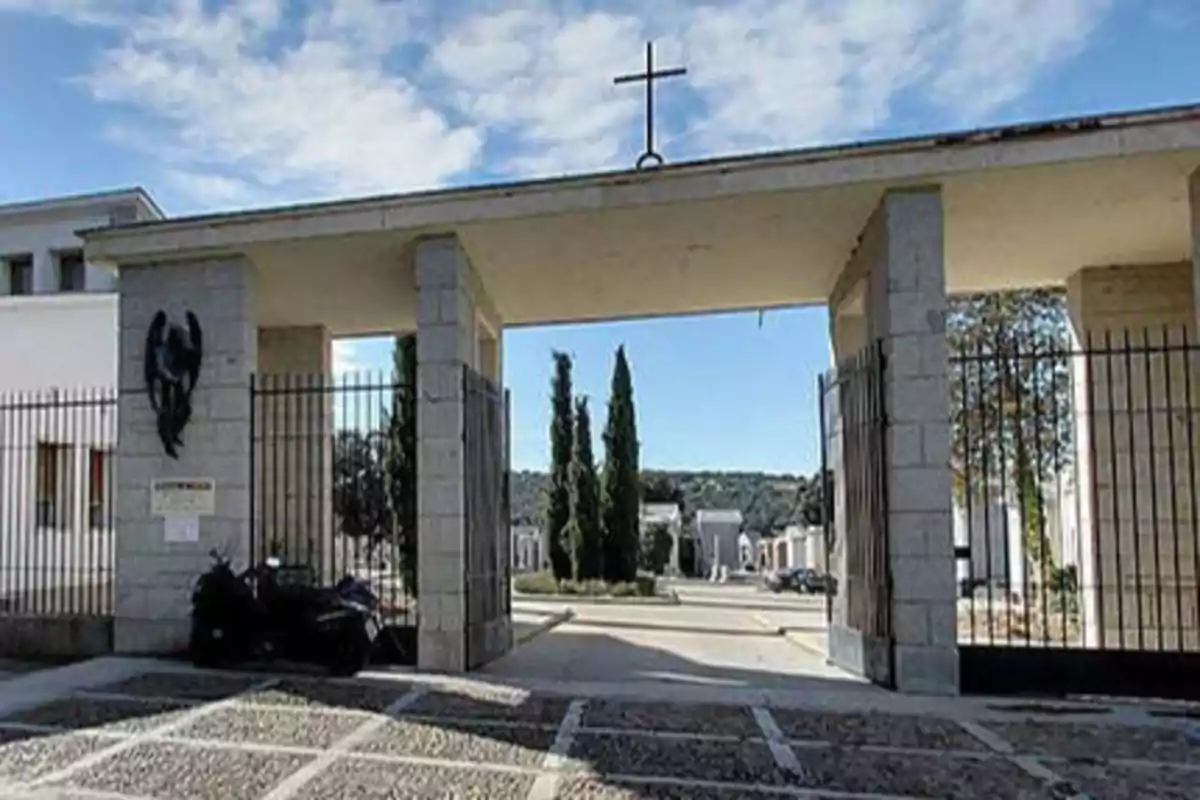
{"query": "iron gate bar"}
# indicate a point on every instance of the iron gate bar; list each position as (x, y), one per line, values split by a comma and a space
(56, 511)
(314, 435)
(866, 585)
(1191, 459)
(1018, 424)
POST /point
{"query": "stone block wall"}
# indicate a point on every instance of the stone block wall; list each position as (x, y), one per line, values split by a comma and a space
(1137, 454)
(456, 320)
(893, 290)
(154, 578)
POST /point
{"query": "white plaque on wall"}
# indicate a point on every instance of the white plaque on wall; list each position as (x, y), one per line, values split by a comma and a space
(181, 528)
(192, 497)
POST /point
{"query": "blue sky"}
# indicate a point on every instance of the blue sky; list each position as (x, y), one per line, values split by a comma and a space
(215, 105)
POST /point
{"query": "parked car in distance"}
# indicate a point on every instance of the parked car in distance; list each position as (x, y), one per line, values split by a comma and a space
(799, 579)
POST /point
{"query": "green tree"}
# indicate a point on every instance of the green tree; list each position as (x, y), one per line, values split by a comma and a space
(375, 474)
(660, 488)
(558, 500)
(811, 505)
(655, 549)
(621, 501)
(587, 540)
(1011, 401)
(400, 463)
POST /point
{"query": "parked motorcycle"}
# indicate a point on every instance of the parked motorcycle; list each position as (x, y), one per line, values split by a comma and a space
(264, 613)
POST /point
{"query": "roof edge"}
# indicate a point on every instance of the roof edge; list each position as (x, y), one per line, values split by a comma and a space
(67, 202)
(1065, 126)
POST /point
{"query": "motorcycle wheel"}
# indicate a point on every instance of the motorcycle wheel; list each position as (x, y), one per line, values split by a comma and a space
(351, 652)
(205, 649)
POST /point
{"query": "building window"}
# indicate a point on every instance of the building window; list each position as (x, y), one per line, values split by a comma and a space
(72, 275)
(99, 491)
(20, 274)
(51, 465)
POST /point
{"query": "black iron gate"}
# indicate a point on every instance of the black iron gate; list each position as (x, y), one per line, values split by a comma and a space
(333, 488)
(854, 435)
(486, 579)
(1076, 524)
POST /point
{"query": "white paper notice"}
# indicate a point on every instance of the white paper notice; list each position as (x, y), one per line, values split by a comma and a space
(178, 528)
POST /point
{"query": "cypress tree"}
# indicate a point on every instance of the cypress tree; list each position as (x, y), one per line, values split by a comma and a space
(586, 539)
(558, 505)
(399, 461)
(621, 483)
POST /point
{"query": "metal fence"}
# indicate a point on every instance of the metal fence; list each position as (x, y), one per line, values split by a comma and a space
(1075, 512)
(57, 501)
(333, 473)
(854, 431)
(486, 580)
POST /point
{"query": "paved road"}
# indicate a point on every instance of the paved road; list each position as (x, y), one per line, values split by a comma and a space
(173, 736)
(716, 636)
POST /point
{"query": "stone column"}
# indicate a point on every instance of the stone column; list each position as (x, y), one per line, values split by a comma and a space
(154, 578)
(453, 308)
(294, 442)
(1137, 453)
(896, 278)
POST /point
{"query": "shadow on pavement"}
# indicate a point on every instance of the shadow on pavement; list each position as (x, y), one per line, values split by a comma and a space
(576, 654)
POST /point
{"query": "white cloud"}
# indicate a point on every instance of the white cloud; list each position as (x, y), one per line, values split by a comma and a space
(246, 101)
(999, 47)
(347, 360)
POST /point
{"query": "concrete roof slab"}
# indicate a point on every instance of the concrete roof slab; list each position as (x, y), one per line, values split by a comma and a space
(1025, 205)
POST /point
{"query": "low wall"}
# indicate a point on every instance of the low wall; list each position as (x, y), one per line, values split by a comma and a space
(55, 637)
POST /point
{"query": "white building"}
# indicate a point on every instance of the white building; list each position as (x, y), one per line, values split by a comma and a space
(990, 527)
(797, 546)
(58, 414)
(529, 553)
(669, 516)
(717, 531)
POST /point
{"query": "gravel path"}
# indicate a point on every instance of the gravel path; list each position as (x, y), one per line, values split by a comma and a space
(224, 737)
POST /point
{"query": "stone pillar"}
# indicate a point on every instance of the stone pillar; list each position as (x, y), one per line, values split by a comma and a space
(294, 441)
(1137, 454)
(455, 317)
(895, 279)
(154, 578)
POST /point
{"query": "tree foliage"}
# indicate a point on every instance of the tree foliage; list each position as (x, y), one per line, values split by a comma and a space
(621, 498)
(658, 487)
(587, 540)
(1011, 399)
(655, 549)
(558, 500)
(375, 473)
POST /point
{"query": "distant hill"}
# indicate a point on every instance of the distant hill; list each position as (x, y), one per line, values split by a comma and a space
(765, 500)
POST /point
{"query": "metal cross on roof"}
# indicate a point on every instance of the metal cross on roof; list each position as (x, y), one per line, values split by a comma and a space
(650, 156)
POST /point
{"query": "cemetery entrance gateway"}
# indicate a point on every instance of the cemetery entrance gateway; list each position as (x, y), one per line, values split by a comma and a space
(925, 216)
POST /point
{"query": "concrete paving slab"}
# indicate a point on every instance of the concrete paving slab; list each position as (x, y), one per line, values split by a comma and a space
(714, 645)
(466, 737)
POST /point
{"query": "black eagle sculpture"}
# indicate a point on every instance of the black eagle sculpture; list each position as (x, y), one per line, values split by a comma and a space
(173, 356)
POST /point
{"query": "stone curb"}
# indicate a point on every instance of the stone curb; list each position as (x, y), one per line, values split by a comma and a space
(41, 686)
(671, 599)
(554, 621)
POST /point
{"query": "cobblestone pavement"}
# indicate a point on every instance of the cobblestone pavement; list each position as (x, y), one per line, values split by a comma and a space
(225, 736)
